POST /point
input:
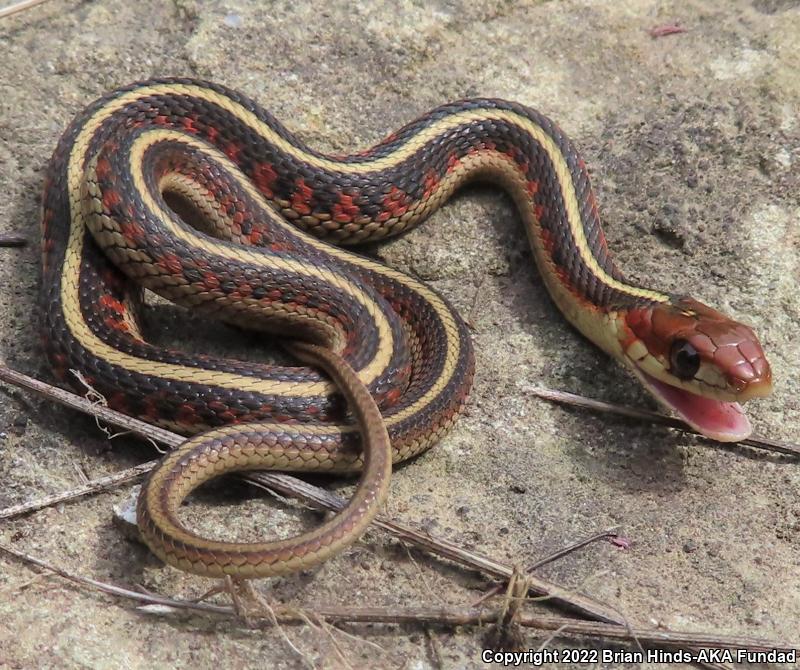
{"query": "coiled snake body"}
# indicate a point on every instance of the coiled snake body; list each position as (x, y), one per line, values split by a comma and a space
(137, 167)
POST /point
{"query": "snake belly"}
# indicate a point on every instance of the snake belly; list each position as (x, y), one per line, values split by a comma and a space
(197, 193)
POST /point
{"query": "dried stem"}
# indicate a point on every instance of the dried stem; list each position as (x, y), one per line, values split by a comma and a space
(610, 623)
(19, 7)
(448, 616)
(578, 544)
(292, 487)
(88, 488)
(474, 560)
(12, 240)
(564, 398)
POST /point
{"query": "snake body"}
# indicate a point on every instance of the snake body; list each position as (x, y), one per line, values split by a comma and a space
(195, 192)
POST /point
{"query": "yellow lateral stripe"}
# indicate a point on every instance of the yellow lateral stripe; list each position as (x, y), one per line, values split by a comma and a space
(82, 333)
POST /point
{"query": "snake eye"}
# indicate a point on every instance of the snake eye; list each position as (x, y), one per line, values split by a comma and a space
(684, 360)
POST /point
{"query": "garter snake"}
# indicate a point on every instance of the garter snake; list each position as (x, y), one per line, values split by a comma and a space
(195, 192)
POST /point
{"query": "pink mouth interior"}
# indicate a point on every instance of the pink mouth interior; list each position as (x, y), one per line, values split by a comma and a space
(719, 420)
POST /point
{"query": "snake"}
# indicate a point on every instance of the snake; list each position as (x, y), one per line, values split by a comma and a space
(196, 193)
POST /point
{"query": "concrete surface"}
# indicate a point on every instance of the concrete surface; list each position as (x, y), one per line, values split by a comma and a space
(694, 143)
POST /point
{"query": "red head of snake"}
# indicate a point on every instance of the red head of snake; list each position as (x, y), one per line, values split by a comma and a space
(698, 362)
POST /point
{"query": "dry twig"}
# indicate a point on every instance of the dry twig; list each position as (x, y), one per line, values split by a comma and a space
(607, 623)
(449, 616)
(666, 29)
(564, 398)
(19, 7)
(12, 240)
(564, 551)
(288, 486)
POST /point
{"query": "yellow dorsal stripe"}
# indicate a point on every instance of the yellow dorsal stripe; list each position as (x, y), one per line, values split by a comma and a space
(71, 270)
(413, 144)
(147, 138)
(75, 174)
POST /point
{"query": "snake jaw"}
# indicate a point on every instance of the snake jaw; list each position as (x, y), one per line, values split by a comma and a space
(718, 420)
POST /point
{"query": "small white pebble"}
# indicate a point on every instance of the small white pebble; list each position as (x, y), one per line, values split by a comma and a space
(783, 157)
(233, 20)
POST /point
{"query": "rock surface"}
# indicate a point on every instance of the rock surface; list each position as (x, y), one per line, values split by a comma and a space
(694, 143)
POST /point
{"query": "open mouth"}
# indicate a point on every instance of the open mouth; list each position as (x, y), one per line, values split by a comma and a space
(716, 419)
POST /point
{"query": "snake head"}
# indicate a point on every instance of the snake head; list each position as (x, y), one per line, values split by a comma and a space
(697, 362)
